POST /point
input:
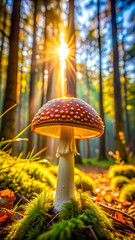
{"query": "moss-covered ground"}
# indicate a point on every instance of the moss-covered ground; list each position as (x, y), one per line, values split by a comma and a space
(82, 218)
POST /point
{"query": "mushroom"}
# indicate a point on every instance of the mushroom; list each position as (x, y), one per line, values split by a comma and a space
(67, 118)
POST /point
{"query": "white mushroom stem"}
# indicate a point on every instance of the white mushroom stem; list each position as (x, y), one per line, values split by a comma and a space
(65, 180)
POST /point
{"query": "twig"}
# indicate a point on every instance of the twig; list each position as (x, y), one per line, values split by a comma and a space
(115, 210)
(18, 215)
(121, 223)
(92, 232)
(52, 220)
(22, 197)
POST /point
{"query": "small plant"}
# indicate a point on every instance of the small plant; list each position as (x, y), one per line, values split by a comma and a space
(119, 182)
(84, 182)
(128, 192)
(117, 157)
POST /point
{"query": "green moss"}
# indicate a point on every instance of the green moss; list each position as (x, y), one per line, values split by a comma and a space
(53, 170)
(38, 171)
(67, 229)
(35, 218)
(119, 182)
(122, 170)
(94, 216)
(70, 210)
(84, 182)
(128, 192)
(19, 181)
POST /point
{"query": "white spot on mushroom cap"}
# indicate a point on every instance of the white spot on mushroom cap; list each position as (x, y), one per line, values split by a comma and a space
(61, 111)
(71, 113)
(57, 115)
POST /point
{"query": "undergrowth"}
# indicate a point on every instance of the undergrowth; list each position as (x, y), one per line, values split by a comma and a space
(128, 192)
(119, 182)
(35, 218)
(73, 222)
(122, 170)
(30, 178)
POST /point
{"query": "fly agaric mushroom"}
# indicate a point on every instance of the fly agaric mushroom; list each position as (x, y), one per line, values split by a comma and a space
(67, 118)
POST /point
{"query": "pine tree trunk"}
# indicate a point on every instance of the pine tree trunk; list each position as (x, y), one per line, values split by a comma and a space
(8, 120)
(102, 151)
(42, 140)
(129, 137)
(71, 63)
(87, 142)
(1, 50)
(119, 122)
(32, 102)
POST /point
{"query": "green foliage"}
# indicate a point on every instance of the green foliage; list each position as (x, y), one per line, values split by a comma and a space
(70, 210)
(84, 182)
(18, 180)
(41, 173)
(67, 229)
(119, 181)
(128, 192)
(96, 162)
(122, 170)
(35, 218)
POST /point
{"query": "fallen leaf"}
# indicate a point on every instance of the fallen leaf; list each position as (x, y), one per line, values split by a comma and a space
(7, 198)
(119, 216)
(3, 218)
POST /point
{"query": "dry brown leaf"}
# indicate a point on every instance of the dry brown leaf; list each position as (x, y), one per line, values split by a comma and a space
(7, 198)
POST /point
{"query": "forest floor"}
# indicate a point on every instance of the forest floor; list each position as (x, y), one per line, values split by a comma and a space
(103, 194)
(103, 191)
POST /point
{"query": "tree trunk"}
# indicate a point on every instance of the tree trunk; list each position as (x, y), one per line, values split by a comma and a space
(32, 102)
(8, 120)
(119, 122)
(87, 144)
(102, 152)
(42, 140)
(1, 50)
(71, 63)
(129, 137)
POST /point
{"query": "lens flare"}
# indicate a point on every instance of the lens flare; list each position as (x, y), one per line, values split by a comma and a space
(63, 53)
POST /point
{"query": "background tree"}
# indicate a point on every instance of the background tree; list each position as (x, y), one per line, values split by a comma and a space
(119, 123)
(102, 153)
(8, 120)
(32, 99)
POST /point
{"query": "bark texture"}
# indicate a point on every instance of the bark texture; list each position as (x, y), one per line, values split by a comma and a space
(32, 100)
(119, 122)
(8, 120)
(102, 151)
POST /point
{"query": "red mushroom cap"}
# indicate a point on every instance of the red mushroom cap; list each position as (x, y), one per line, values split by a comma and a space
(71, 112)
